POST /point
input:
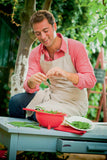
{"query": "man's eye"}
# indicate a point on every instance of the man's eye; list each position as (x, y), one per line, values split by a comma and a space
(37, 34)
(46, 31)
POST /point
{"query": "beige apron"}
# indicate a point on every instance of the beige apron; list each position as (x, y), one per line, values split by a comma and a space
(61, 95)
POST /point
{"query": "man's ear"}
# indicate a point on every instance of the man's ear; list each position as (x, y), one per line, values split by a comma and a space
(55, 26)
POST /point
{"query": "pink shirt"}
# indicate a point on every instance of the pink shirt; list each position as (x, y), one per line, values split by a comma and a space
(79, 58)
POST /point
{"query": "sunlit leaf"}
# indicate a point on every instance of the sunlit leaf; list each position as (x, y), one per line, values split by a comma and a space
(91, 39)
(100, 37)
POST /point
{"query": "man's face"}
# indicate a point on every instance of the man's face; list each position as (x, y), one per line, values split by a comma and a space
(44, 32)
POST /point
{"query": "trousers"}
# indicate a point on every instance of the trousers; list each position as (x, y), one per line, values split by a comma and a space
(18, 102)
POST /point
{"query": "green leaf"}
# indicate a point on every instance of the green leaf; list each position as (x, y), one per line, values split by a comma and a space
(91, 39)
(106, 31)
(100, 37)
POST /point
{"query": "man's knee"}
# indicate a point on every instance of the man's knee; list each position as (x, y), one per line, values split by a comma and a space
(18, 102)
(15, 105)
(14, 100)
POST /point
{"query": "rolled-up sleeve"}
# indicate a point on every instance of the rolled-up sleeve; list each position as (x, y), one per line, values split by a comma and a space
(33, 67)
(83, 66)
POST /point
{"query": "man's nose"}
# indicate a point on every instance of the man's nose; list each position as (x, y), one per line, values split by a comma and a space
(43, 35)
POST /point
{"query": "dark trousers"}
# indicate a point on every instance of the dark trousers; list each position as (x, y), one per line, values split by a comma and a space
(18, 102)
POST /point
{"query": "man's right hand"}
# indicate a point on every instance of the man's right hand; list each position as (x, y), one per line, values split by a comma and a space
(36, 79)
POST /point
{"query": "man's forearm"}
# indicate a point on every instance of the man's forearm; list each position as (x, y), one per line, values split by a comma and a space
(73, 77)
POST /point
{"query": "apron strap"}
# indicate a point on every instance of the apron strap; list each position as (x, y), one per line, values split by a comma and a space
(66, 40)
(42, 57)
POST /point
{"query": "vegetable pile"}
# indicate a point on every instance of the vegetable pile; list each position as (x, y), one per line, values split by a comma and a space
(25, 124)
(41, 109)
(80, 125)
(52, 112)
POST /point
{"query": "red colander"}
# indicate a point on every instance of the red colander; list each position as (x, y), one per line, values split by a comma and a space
(49, 120)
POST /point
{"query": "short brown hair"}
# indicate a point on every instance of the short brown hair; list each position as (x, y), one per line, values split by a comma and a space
(40, 15)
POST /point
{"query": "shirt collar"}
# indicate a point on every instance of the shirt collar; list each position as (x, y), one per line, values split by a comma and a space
(63, 45)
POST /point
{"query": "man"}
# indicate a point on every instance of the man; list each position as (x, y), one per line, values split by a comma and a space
(64, 62)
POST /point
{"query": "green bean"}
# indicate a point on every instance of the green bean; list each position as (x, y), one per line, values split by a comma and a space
(80, 125)
(25, 124)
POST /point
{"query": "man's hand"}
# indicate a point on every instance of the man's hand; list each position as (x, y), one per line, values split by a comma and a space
(56, 72)
(73, 77)
(36, 79)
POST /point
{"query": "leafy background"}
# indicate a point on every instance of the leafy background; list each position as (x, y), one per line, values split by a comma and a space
(81, 20)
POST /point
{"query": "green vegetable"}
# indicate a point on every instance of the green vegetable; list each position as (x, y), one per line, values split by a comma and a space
(80, 125)
(25, 124)
(52, 112)
(48, 81)
(41, 109)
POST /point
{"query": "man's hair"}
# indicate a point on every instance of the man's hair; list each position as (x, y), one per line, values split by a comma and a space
(40, 15)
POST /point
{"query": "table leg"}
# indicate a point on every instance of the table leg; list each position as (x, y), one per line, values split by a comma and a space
(12, 149)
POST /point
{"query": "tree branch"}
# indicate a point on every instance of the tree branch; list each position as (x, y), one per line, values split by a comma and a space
(47, 4)
(103, 3)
